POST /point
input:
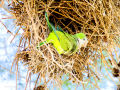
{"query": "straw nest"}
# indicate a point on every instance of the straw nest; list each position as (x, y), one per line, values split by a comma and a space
(99, 20)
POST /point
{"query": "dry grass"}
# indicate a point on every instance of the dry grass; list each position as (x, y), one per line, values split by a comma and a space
(98, 19)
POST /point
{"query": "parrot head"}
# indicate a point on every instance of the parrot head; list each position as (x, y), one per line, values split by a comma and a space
(81, 40)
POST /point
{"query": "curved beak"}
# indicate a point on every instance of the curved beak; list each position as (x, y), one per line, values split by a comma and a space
(84, 45)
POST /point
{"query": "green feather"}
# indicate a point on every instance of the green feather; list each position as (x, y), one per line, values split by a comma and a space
(51, 27)
(59, 28)
(40, 44)
(80, 35)
(66, 43)
(63, 42)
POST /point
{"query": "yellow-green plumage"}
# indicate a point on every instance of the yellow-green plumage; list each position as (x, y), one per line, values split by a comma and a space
(63, 42)
(64, 45)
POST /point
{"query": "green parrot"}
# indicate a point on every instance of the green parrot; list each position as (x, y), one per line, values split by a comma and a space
(63, 42)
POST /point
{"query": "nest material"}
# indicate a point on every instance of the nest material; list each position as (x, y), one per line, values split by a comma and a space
(98, 19)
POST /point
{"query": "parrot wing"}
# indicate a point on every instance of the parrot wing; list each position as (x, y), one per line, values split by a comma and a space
(72, 43)
(65, 43)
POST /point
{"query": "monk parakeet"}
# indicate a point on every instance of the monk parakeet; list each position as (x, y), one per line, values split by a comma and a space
(63, 42)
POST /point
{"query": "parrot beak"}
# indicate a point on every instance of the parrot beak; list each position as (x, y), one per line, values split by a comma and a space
(85, 45)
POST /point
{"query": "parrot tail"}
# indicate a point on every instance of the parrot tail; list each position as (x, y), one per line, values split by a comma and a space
(51, 27)
(48, 23)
